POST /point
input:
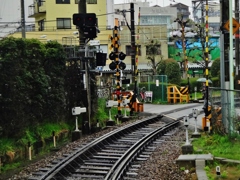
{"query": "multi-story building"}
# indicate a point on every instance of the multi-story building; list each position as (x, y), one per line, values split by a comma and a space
(182, 10)
(53, 21)
(214, 13)
(54, 18)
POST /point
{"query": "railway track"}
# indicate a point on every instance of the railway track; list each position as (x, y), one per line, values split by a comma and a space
(112, 155)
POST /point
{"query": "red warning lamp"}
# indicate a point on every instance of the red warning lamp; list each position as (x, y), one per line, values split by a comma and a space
(78, 20)
(90, 19)
(82, 19)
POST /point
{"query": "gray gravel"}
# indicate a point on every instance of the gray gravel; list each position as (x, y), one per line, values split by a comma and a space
(160, 166)
(162, 163)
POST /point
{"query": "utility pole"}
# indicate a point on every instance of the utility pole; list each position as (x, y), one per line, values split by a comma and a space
(23, 19)
(133, 50)
(82, 9)
(224, 58)
(237, 77)
(206, 62)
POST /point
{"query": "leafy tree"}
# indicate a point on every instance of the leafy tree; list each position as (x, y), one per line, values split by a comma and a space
(55, 68)
(194, 52)
(153, 51)
(215, 68)
(170, 68)
(27, 69)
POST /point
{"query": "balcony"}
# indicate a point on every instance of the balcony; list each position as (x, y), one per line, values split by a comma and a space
(36, 9)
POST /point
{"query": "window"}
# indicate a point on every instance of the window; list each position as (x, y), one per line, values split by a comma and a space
(91, 1)
(88, 1)
(63, 23)
(62, 1)
(123, 23)
(150, 50)
(41, 25)
(153, 20)
(40, 2)
(129, 50)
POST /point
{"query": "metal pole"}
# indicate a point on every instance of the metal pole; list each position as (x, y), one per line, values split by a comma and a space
(133, 50)
(76, 121)
(82, 9)
(231, 72)
(187, 141)
(88, 87)
(237, 46)
(206, 61)
(23, 19)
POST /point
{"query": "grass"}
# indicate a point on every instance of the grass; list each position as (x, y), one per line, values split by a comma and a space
(6, 145)
(220, 146)
(31, 134)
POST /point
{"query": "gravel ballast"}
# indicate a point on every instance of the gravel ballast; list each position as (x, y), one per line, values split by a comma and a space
(160, 166)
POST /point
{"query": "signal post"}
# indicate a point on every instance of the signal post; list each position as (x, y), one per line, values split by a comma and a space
(87, 26)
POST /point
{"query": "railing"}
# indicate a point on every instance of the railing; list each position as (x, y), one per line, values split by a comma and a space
(37, 7)
(225, 109)
(31, 10)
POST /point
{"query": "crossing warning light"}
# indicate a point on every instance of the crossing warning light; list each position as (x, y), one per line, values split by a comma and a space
(122, 56)
(82, 19)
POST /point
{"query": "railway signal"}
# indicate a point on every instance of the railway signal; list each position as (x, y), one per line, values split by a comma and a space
(117, 63)
(87, 23)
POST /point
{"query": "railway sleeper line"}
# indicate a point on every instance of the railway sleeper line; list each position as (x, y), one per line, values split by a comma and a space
(110, 156)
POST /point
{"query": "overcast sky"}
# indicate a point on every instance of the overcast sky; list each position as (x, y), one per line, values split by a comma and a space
(158, 2)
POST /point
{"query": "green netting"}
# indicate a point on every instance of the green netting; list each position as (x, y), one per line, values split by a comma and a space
(157, 84)
(173, 51)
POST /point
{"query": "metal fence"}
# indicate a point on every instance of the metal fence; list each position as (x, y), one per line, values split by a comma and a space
(155, 85)
(225, 109)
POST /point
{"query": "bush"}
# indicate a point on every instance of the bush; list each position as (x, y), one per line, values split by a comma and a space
(215, 69)
(170, 68)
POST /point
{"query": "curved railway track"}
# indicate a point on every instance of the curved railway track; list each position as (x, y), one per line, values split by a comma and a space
(111, 155)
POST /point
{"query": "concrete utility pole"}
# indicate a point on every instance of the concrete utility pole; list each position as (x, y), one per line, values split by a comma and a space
(237, 86)
(23, 19)
(231, 72)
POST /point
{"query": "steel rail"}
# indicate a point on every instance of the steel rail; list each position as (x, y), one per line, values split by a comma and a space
(120, 166)
(68, 163)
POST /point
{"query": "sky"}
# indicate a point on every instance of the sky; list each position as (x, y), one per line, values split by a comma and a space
(10, 15)
(161, 3)
(10, 10)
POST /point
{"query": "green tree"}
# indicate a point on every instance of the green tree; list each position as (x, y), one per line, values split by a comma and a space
(25, 81)
(55, 69)
(153, 52)
(170, 68)
(215, 68)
